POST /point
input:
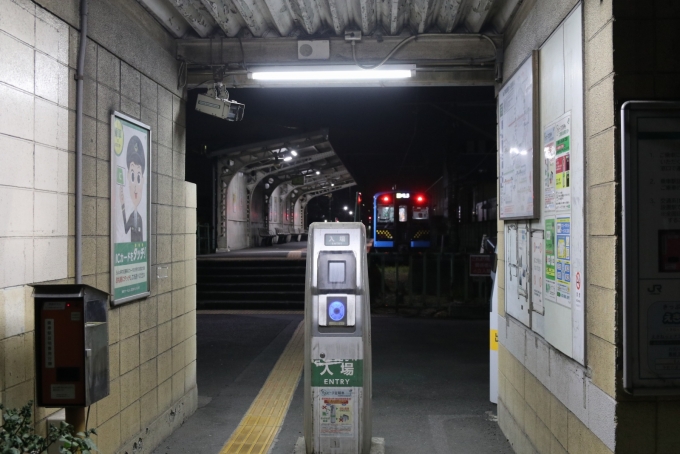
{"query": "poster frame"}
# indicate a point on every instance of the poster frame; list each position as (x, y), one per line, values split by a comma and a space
(149, 227)
(633, 344)
(533, 58)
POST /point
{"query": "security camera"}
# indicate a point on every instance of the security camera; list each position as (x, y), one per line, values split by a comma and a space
(216, 103)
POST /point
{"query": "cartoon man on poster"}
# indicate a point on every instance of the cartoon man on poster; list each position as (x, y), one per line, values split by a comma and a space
(136, 163)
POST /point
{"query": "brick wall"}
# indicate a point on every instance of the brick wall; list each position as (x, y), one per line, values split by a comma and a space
(130, 67)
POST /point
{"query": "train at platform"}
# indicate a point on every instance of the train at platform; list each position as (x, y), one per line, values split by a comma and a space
(401, 221)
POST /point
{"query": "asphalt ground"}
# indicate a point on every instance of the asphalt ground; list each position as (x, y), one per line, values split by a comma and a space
(430, 384)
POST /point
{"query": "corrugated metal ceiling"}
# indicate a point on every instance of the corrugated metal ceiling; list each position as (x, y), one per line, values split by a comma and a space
(312, 18)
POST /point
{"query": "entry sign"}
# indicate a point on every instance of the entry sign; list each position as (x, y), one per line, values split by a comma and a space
(480, 265)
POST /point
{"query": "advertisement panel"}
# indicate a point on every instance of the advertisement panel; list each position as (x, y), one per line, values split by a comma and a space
(130, 208)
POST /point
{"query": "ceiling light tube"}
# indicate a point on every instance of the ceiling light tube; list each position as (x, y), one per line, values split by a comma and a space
(287, 158)
(293, 152)
(330, 72)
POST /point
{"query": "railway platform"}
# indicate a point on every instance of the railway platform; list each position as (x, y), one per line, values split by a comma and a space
(430, 389)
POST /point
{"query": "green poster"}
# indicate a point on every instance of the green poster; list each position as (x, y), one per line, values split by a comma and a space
(550, 259)
(338, 372)
(130, 208)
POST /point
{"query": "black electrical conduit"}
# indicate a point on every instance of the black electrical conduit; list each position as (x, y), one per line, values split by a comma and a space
(80, 71)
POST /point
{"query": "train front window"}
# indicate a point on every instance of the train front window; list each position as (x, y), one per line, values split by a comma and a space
(385, 213)
(403, 214)
(420, 213)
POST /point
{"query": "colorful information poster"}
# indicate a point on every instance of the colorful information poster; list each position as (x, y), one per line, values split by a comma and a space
(563, 265)
(562, 163)
(337, 412)
(557, 159)
(550, 285)
(130, 208)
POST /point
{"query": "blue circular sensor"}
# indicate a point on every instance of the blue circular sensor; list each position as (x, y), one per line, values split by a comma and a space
(336, 311)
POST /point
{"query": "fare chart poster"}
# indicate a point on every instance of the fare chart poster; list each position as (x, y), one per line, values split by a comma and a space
(130, 208)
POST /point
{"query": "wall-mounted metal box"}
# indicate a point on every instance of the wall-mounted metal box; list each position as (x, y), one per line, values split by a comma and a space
(71, 345)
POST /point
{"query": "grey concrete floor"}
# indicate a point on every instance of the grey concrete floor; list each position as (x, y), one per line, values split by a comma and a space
(430, 384)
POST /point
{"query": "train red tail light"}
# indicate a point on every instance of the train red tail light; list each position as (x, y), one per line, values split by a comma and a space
(420, 199)
(386, 198)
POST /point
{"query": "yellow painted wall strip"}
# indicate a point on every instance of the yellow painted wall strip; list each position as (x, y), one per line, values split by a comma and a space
(258, 428)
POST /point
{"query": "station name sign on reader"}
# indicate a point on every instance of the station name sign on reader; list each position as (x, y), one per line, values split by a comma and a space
(338, 372)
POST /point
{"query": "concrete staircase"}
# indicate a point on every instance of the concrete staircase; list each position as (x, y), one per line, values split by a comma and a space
(250, 284)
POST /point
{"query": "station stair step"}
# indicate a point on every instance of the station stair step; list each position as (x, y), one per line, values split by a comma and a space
(250, 284)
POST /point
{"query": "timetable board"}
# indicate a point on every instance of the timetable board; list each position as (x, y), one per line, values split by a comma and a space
(517, 129)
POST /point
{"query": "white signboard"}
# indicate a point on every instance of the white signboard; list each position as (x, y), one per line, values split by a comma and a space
(537, 252)
(516, 118)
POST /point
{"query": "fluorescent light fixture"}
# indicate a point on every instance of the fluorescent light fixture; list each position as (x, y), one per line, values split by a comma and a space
(287, 158)
(332, 184)
(331, 72)
(293, 152)
(318, 173)
(345, 208)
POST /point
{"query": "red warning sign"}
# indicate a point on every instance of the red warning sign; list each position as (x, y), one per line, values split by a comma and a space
(578, 280)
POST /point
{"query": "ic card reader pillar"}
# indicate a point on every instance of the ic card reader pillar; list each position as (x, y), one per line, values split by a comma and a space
(337, 373)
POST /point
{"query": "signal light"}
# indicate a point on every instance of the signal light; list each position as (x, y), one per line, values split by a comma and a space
(386, 198)
(359, 197)
(420, 198)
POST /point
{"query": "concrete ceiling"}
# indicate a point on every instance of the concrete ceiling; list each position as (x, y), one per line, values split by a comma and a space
(459, 42)
(307, 18)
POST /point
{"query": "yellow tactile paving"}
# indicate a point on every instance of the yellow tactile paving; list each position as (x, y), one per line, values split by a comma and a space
(263, 420)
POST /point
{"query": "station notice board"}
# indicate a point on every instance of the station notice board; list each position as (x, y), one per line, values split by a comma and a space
(651, 246)
(480, 265)
(518, 139)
